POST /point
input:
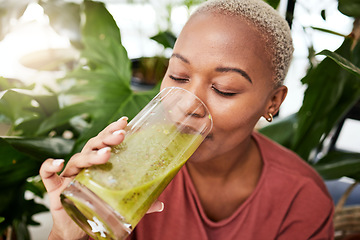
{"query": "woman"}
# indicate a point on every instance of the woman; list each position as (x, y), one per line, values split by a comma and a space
(234, 56)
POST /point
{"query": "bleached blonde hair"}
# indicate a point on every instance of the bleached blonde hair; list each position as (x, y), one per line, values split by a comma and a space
(270, 24)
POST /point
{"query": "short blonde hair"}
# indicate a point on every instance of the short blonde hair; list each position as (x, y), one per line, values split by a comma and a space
(271, 25)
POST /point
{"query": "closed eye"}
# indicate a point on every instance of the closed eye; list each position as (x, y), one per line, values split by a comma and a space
(178, 79)
(227, 94)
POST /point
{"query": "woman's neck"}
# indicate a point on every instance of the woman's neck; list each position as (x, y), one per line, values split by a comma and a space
(241, 159)
(223, 184)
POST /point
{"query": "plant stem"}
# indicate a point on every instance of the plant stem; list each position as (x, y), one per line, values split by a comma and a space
(355, 34)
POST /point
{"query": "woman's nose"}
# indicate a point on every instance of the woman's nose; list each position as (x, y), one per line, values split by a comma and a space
(186, 110)
(199, 91)
(192, 107)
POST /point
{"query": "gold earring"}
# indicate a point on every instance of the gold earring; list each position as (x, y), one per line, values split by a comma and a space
(270, 118)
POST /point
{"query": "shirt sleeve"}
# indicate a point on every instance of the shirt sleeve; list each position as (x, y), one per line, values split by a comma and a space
(310, 216)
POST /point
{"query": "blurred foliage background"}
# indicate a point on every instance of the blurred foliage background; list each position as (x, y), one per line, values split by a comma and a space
(99, 83)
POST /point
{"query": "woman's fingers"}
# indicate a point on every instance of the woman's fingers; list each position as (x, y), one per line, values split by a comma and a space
(85, 160)
(112, 135)
(97, 150)
(48, 173)
(157, 206)
(53, 183)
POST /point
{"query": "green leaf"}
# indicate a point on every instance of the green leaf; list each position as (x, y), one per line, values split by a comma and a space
(8, 83)
(103, 80)
(166, 39)
(64, 18)
(2, 219)
(273, 3)
(20, 229)
(331, 92)
(26, 110)
(42, 147)
(96, 109)
(328, 31)
(341, 61)
(7, 195)
(15, 170)
(350, 8)
(109, 57)
(16, 106)
(97, 84)
(15, 166)
(99, 23)
(36, 186)
(31, 208)
(18, 211)
(339, 164)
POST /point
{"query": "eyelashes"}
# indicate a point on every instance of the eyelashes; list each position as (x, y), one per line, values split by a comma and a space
(226, 94)
(177, 79)
(213, 87)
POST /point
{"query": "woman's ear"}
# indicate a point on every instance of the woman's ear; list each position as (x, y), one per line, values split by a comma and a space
(276, 99)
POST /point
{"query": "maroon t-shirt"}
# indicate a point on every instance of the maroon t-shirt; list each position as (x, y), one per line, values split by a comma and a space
(290, 202)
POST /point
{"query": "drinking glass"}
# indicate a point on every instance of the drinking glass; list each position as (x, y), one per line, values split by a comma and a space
(108, 200)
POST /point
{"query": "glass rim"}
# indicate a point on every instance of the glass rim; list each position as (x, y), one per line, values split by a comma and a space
(196, 97)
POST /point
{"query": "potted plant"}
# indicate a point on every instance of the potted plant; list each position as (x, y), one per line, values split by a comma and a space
(333, 89)
(39, 124)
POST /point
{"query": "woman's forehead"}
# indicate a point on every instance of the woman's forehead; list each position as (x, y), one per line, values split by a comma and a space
(220, 34)
(216, 40)
(234, 27)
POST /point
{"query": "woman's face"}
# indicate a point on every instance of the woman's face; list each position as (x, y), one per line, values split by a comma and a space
(222, 60)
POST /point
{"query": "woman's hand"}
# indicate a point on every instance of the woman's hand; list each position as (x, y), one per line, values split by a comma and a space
(96, 151)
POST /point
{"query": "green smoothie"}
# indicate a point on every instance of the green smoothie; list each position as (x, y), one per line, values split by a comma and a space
(132, 180)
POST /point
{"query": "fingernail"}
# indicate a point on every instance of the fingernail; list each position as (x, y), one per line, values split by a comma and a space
(104, 150)
(118, 132)
(57, 162)
(123, 118)
(162, 207)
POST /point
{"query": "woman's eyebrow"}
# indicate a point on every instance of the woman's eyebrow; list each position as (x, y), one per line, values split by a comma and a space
(218, 69)
(237, 70)
(182, 58)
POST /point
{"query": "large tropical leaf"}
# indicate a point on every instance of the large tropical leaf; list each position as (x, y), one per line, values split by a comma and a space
(41, 147)
(331, 93)
(15, 166)
(104, 79)
(26, 110)
(338, 164)
(99, 23)
(350, 7)
(8, 83)
(342, 62)
(333, 89)
(18, 211)
(16, 106)
(64, 18)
